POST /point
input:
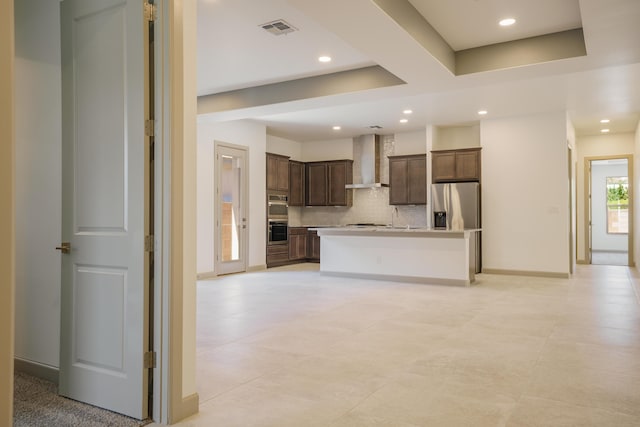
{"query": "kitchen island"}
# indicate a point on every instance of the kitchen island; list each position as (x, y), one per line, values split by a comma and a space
(419, 255)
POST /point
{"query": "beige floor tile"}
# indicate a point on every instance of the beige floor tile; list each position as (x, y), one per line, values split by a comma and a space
(575, 355)
(290, 347)
(535, 412)
(363, 420)
(587, 387)
(449, 405)
(625, 338)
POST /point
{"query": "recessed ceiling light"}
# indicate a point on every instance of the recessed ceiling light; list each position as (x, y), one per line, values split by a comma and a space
(337, 128)
(407, 111)
(507, 22)
(604, 130)
(605, 121)
(403, 120)
(324, 58)
(482, 112)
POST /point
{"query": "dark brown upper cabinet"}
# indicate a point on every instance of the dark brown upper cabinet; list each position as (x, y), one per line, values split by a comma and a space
(277, 172)
(456, 165)
(326, 181)
(408, 180)
(296, 183)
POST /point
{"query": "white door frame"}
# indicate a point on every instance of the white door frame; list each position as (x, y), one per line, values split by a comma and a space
(218, 205)
(7, 211)
(587, 204)
(174, 23)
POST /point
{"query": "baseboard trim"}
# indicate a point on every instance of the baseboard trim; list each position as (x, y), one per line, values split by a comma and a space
(254, 268)
(37, 370)
(208, 275)
(582, 262)
(404, 279)
(548, 274)
(189, 406)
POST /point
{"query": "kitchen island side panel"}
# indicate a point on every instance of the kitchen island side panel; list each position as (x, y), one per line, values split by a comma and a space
(403, 257)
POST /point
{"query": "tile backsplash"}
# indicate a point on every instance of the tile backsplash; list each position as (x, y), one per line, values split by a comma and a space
(370, 205)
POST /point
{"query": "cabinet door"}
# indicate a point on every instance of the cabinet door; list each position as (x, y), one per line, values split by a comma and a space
(468, 166)
(443, 166)
(316, 184)
(417, 181)
(339, 175)
(272, 172)
(313, 246)
(298, 245)
(296, 184)
(397, 181)
(283, 174)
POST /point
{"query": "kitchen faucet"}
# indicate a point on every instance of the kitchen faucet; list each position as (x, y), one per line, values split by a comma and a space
(394, 210)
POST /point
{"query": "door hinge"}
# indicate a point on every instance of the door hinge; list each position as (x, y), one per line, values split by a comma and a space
(148, 243)
(149, 128)
(149, 12)
(150, 360)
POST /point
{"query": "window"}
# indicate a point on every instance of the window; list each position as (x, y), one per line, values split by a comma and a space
(617, 204)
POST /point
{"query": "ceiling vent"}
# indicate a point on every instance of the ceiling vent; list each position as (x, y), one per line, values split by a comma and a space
(279, 27)
(375, 127)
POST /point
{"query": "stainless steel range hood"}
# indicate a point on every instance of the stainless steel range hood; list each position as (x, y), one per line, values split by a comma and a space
(367, 162)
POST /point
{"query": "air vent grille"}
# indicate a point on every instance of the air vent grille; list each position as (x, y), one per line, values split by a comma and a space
(279, 27)
(375, 127)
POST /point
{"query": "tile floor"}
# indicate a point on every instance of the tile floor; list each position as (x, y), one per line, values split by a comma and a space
(290, 347)
(609, 258)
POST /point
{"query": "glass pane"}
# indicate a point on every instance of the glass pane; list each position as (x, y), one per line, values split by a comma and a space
(617, 204)
(230, 193)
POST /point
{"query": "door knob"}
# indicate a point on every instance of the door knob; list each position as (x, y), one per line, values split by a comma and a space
(65, 247)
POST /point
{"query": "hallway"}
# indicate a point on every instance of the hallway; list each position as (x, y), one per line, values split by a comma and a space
(292, 347)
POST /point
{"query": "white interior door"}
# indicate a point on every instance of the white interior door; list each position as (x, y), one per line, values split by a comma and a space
(231, 201)
(104, 318)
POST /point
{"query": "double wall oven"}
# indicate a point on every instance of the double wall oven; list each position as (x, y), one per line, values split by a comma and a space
(278, 218)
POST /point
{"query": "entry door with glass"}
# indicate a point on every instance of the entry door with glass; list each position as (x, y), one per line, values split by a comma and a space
(231, 211)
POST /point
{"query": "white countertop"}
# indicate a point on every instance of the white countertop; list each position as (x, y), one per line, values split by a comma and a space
(406, 231)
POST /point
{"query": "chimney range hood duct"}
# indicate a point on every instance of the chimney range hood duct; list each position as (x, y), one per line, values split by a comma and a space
(367, 159)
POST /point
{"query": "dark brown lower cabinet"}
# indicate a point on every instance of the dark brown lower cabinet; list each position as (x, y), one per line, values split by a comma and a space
(303, 245)
(297, 243)
(313, 246)
(277, 255)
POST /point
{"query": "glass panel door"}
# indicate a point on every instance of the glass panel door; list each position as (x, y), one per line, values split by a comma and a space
(231, 216)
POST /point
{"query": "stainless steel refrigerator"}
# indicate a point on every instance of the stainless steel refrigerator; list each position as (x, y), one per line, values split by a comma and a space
(456, 206)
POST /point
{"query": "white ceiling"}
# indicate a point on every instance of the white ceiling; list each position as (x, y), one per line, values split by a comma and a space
(235, 53)
(471, 23)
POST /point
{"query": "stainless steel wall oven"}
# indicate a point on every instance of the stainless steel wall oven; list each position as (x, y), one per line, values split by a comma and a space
(278, 232)
(277, 207)
(278, 216)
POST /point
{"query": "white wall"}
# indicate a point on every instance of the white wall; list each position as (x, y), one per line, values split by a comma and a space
(205, 207)
(7, 212)
(595, 146)
(38, 181)
(600, 239)
(456, 137)
(333, 149)
(410, 143)
(636, 196)
(246, 134)
(525, 210)
(284, 147)
(571, 142)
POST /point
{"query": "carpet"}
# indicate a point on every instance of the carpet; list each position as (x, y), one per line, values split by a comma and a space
(36, 403)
